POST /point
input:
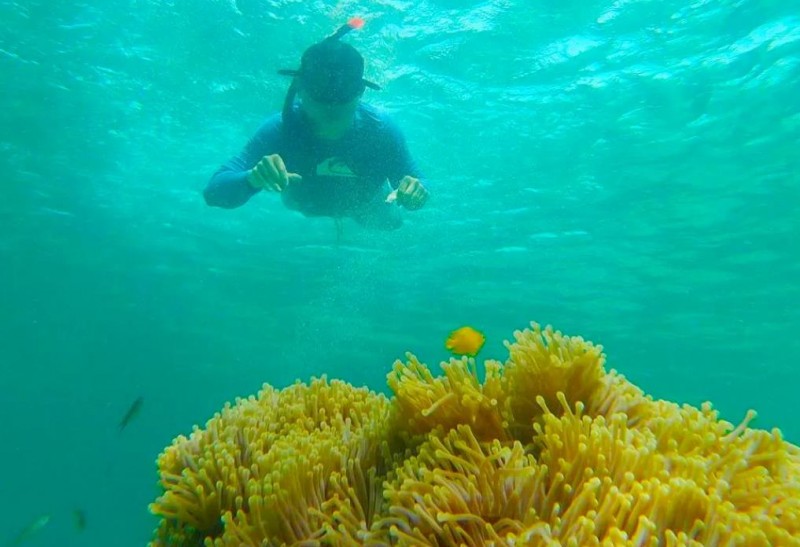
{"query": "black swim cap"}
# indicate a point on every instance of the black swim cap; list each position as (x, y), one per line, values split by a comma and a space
(331, 71)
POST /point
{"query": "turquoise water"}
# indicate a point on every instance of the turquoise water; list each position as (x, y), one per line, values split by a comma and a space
(625, 171)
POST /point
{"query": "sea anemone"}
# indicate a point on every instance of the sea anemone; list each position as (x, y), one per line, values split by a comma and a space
(545, 449)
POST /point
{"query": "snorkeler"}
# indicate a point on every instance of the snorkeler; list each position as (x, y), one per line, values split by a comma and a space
(326, 153)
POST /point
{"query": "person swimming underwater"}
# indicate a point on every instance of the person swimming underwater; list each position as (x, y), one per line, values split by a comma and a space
(326, 153)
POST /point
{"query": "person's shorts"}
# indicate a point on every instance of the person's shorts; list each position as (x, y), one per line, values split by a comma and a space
(373, 213)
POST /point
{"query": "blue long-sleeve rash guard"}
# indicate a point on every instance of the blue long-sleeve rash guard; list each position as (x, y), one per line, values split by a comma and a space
(339, 177)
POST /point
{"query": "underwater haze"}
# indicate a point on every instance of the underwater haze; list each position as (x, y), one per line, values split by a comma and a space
(626, 171)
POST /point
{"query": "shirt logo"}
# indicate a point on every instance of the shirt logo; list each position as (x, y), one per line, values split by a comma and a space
(334, 167)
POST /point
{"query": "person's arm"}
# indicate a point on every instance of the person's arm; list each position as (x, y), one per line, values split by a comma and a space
(398, 159)
(229, 186)
(403, 173)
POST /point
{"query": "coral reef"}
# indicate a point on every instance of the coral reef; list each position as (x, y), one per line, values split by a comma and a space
(546, 449)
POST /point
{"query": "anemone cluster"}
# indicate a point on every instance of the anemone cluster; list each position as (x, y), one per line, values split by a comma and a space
(547, 448)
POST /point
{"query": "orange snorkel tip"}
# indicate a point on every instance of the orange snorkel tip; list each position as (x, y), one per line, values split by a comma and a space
(355, 23)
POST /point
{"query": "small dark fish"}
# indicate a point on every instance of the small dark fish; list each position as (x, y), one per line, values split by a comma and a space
(133, 411)
(80, 519)
(31, 530)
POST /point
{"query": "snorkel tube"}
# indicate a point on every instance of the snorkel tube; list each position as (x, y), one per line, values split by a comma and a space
(352, 24)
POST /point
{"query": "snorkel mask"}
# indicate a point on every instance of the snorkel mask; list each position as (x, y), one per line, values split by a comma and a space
(331, 71)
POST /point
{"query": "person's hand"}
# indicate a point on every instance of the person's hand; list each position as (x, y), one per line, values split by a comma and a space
(410, 193)
(270, 174)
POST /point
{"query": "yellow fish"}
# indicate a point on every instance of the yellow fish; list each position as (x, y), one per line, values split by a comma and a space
(465, 341)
